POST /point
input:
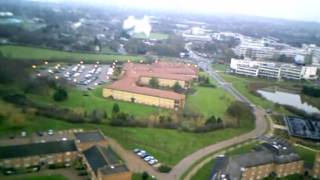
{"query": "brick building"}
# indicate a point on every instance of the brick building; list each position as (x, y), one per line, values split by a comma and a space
(37, 155)
(276, 158)
(133, 86)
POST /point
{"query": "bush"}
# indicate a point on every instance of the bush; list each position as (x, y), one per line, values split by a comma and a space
(164, 168)
(60, 95)
(311, 91)
(82, 173)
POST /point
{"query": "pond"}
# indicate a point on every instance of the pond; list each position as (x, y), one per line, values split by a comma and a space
(287, 98)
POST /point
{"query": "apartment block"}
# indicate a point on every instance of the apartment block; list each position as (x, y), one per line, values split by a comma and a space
(273, 157)
(272, 70)
(134, 84)
(38, 154)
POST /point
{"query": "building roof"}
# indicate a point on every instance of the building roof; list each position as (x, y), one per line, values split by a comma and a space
(174, 71)
(89, 136)
(26, 150)
(104, 159)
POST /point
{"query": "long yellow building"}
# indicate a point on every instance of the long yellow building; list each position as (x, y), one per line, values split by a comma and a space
(127, 88)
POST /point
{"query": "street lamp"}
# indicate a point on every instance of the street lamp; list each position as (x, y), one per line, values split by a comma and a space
(34, 66)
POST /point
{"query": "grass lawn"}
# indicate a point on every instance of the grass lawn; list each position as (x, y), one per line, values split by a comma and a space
(169, 146)
(22, 52)
(205, 172)
(209, 101)
(95, 100)
(156, 36)
(35, 177)
(307, 155)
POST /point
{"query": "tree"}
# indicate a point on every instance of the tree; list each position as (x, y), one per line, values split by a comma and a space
(115, 108)
(60, 95)
(154, 82)
(97, 115)
(176, 87)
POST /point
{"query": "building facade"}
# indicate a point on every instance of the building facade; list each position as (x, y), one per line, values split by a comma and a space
(37, 155)
(272, 70)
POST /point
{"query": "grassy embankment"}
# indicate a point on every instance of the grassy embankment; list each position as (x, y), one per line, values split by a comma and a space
(33, 53)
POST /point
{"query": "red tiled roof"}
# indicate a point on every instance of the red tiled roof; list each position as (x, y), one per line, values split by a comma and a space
(164, 70)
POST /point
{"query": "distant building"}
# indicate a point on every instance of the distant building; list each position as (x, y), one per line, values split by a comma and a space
(266, 69)
(132, 86)
(271, 158)
(303, 128)
(36, 155)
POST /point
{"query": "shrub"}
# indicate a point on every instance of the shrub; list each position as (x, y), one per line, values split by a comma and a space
(60, 95)
(164, 168)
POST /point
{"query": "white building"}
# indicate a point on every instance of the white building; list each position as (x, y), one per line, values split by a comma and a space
(272, 70)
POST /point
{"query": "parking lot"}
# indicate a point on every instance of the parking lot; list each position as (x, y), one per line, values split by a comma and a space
(148, 158)
(84, 76)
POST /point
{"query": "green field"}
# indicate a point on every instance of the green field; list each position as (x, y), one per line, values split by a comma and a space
(307, 155)
(35, 177)
(209, 101)
(220, 67)
(22, 52)
(156, 36)
(94, 100)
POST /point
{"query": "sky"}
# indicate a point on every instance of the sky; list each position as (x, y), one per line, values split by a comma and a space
(308, 10)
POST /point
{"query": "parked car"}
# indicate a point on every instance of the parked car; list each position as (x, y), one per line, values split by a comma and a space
(153, 161)
(136, 150)
(23, 134)
(39, 133)
(148, 158)
(50, 132)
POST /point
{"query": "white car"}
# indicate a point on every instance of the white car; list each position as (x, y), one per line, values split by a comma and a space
(153, 161)
(148, 158)
(50, 132)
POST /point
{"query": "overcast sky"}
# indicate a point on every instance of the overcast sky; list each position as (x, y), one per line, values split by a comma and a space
(288, 9)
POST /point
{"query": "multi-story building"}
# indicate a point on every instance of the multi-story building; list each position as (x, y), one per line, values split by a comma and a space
(273, 70)
(36, 155)
(271, 158)
(316, 166)
(133, 86)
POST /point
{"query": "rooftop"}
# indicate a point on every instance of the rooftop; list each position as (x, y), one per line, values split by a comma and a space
(174, 71)
(26, 150)
(89, 136)
(104, 159)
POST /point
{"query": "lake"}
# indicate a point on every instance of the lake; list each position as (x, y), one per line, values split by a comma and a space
(287, 98)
